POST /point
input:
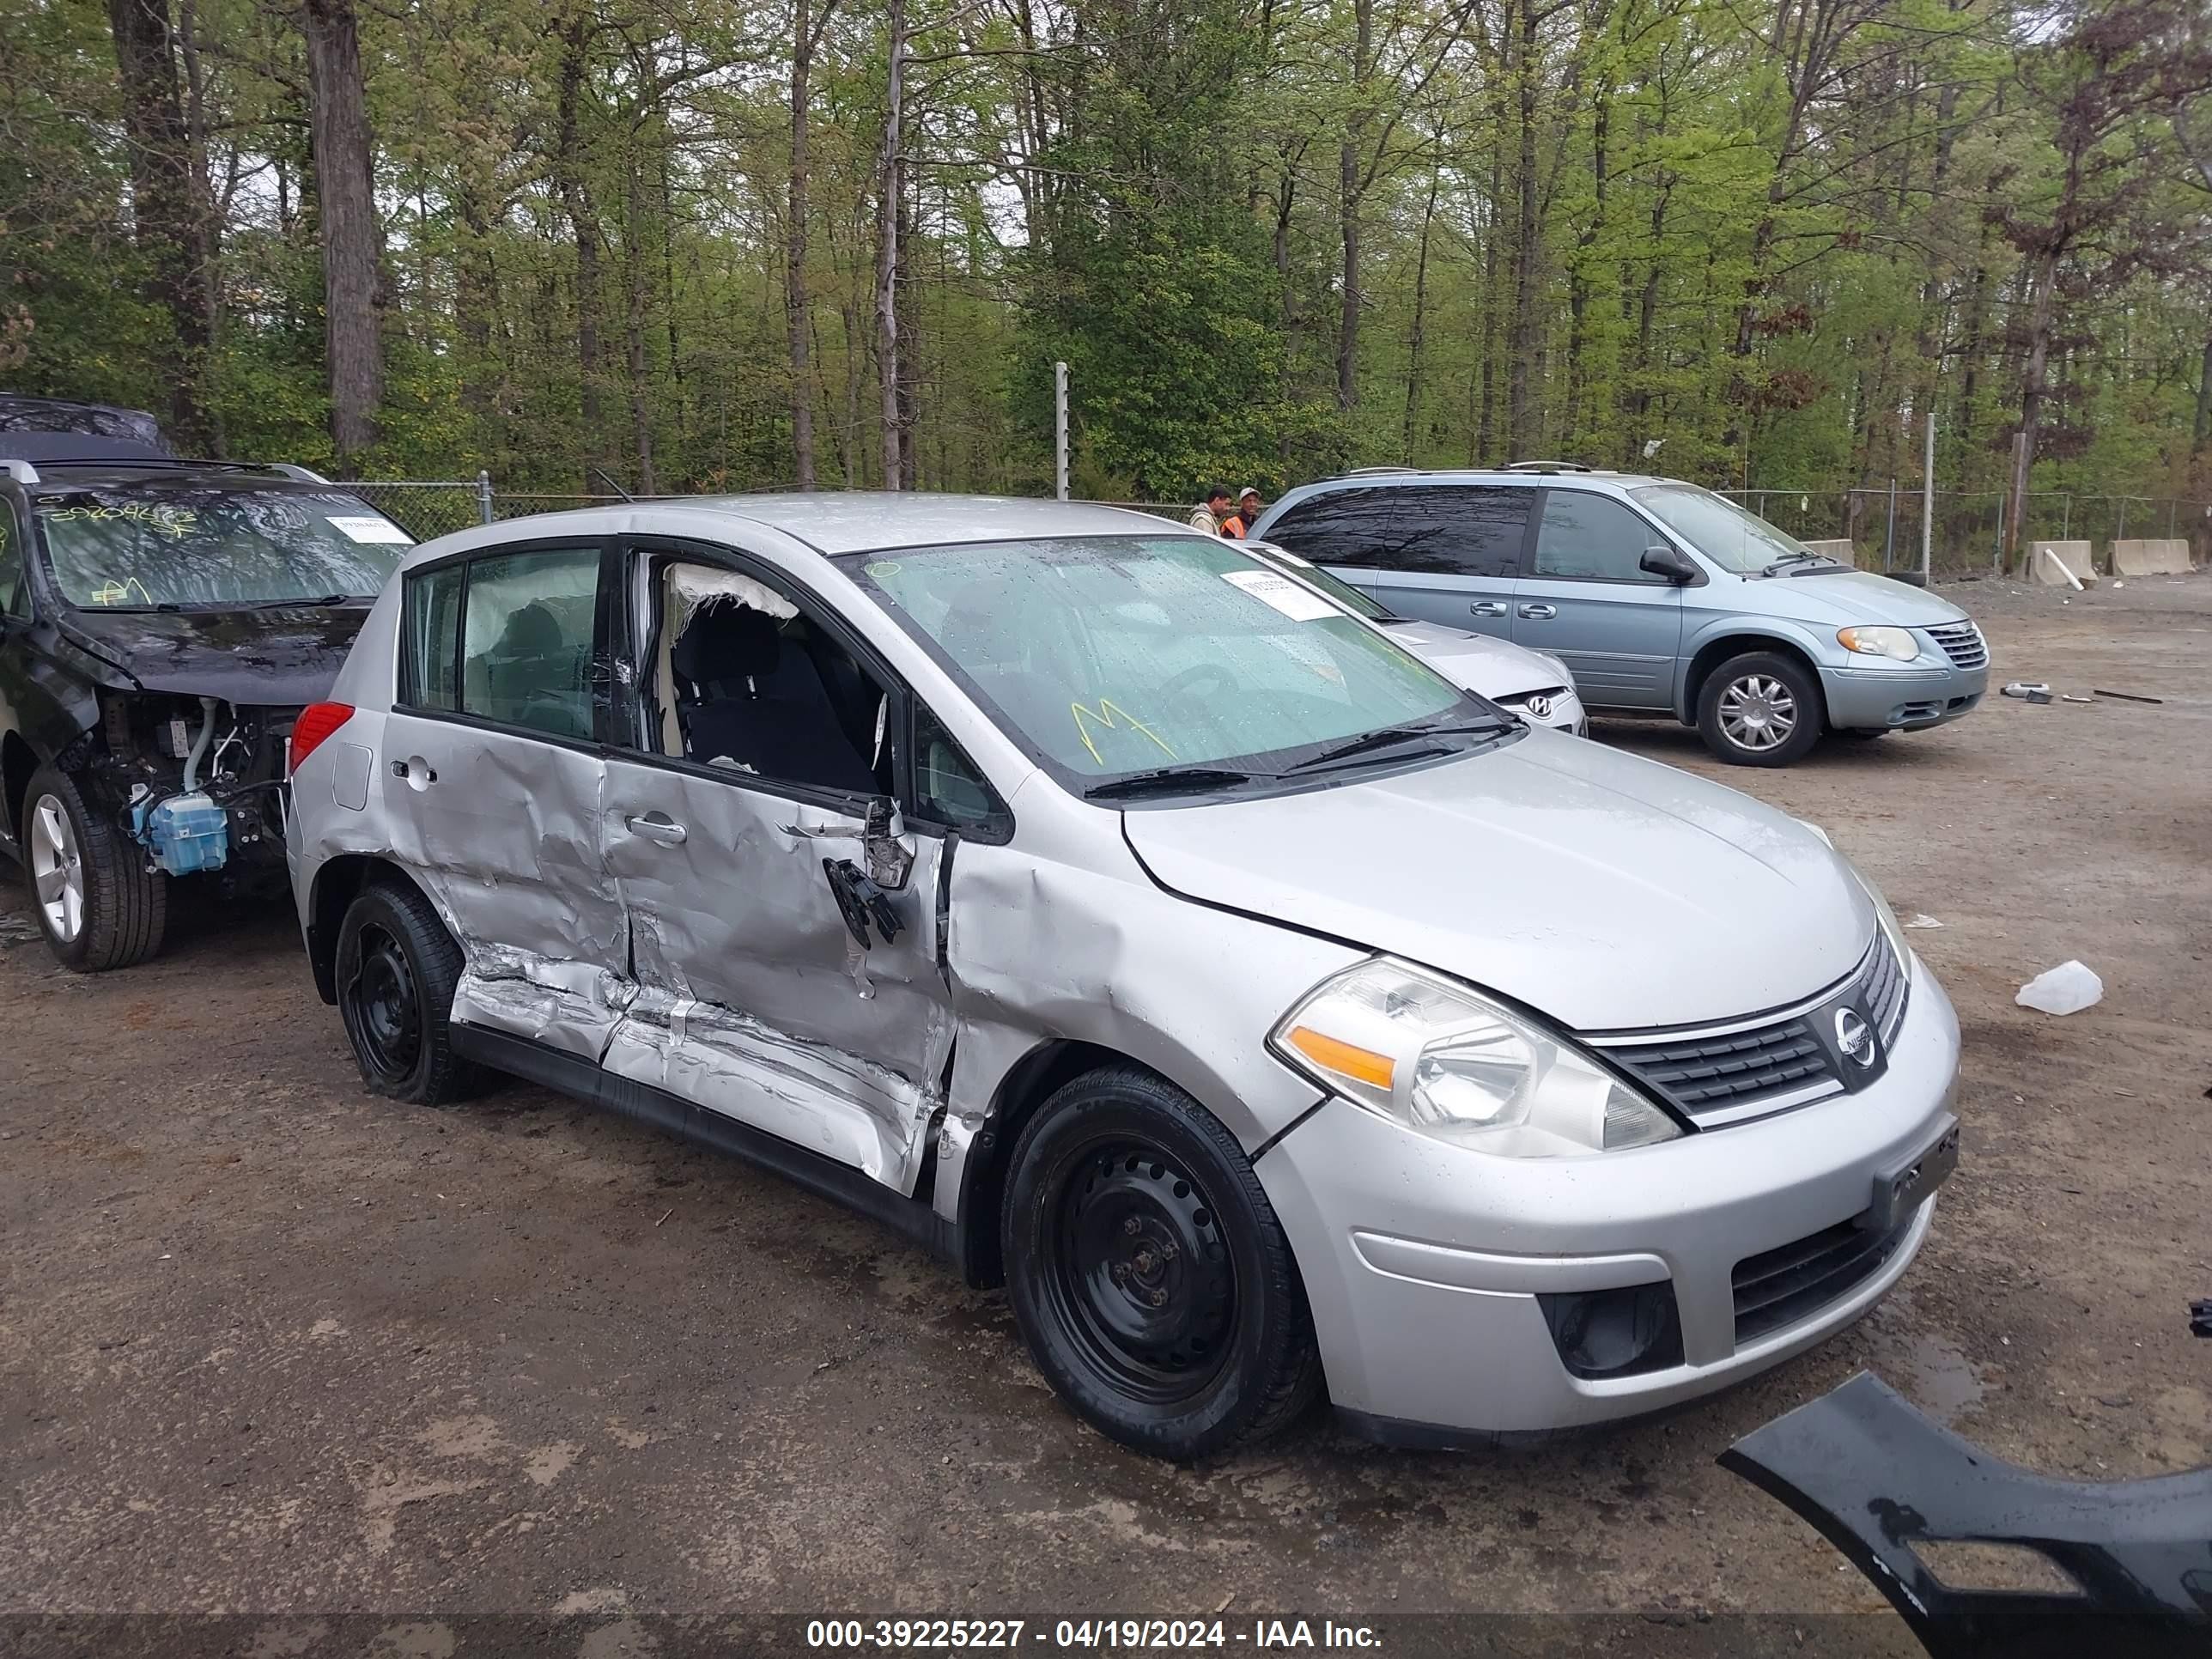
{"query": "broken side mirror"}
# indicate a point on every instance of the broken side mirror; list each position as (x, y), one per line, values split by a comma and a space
(862, 902)
(1668, 562)
(883, 841)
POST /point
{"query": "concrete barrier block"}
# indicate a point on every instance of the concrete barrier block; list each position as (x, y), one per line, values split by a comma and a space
(2150, 556)
(2051, 562)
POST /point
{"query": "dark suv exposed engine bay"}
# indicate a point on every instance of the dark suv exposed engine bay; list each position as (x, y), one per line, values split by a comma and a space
(162, 623)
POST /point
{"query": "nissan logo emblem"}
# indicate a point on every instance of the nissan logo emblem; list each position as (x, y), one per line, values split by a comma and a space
(1541, 706)
(1854, 1036)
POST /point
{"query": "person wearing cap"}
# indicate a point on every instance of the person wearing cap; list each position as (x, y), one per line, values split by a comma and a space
(1207, 516)
(1239, 525)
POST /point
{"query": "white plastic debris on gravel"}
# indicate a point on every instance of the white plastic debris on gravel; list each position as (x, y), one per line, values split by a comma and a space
(2066, 989)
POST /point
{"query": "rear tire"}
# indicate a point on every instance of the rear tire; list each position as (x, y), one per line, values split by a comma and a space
(1148, 1272)
(396, 970)
(1760, 709)
(99, 902)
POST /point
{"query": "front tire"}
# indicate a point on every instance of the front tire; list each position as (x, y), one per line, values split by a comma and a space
(1148, 1273)
(99, 902)
(1760, 709)
(397, 968)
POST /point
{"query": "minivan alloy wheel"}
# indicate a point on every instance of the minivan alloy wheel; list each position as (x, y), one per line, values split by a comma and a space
(1758, 713)
(57, 869)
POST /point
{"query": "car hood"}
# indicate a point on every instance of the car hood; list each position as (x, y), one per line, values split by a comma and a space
(279, 659)
(1602, 890)
(1487, 667)
(1849, 596)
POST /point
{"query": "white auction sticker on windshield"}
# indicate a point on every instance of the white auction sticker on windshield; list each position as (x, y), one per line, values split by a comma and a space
(1279, 592)
(362, 527)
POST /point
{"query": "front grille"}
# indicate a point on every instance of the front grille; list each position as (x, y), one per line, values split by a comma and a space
(1718, 1074)
(1962, 642)
(1779, 1287)
(1881, 989)
(1708, 1072)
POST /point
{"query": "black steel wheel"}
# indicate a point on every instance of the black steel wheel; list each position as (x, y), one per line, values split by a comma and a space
(1138, 1273)
(397, 968)
(1148, 1272)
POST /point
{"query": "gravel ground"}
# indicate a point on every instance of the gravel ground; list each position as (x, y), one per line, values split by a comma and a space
(269, 1345)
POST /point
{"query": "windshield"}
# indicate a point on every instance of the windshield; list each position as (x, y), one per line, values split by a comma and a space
(1731, 538)
(1337, 589)
(1112, 657)
(142, 548)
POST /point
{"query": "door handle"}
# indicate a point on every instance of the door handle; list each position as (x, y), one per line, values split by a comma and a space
(1539, 613)
(399, 769)
(656, 826)
(1488, 607)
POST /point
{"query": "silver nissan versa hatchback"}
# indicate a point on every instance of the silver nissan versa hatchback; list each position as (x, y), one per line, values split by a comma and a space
(1270, 1015)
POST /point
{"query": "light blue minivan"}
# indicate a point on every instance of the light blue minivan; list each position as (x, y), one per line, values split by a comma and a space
(1661, 597)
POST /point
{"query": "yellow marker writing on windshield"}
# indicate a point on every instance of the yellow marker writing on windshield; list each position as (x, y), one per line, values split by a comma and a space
(1111, 717)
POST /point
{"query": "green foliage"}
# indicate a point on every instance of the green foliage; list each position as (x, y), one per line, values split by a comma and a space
(1761, 239)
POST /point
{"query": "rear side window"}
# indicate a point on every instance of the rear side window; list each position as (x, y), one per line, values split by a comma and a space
(1590, 538)
(1339, 526)
(506, 638)
(430, 624)
(1460, 530)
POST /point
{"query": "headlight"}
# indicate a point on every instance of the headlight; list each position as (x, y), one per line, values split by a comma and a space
(1895, 643)
(1433, 1055)
(1885, 918)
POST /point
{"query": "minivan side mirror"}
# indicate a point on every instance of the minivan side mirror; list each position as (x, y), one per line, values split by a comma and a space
(1668, 562)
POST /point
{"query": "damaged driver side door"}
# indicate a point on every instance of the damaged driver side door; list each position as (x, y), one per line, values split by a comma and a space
(782, 919)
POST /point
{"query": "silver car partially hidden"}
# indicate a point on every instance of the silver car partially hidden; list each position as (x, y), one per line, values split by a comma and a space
(1535, 684)
(1111, 913)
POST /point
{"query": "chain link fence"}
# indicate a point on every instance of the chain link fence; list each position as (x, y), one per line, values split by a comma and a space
(1883, 525)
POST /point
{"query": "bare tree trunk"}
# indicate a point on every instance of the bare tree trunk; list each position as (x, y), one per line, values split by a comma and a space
(2204, 434)
(353, 241)
(165, 194)
(1525, 251)
(1350, 189)
(583, 220)
(1414, 364)
(909, 351)
(641, 411)
(796, 306)
(891, 190)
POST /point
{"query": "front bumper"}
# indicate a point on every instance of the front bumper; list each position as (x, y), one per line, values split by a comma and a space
(1423, 1262)
(1901, 698)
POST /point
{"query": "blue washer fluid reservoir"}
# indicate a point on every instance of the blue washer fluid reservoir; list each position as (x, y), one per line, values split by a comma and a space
(184, 833)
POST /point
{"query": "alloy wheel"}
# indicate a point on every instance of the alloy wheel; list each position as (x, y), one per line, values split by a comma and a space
(57, 869)
(1758, 712)
(1141, 1275)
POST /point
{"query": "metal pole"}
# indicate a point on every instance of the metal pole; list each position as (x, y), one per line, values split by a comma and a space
(1928, 500)
(1060, 429)
(2065, 514)
(484, 497)
(1889, 531)
(2121, 533)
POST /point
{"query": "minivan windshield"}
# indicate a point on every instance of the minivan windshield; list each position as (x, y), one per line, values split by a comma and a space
(1130, 660)
(1723, 532)
(122, 548)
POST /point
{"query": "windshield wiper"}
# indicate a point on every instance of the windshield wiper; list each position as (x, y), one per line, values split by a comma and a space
(294, 605)
(1395, 734)
(1171, 779)
(1804, 557)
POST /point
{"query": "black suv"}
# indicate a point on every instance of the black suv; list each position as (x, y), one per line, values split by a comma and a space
(161, 624)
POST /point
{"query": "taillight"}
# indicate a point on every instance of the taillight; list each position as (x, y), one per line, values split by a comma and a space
(317, 721)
